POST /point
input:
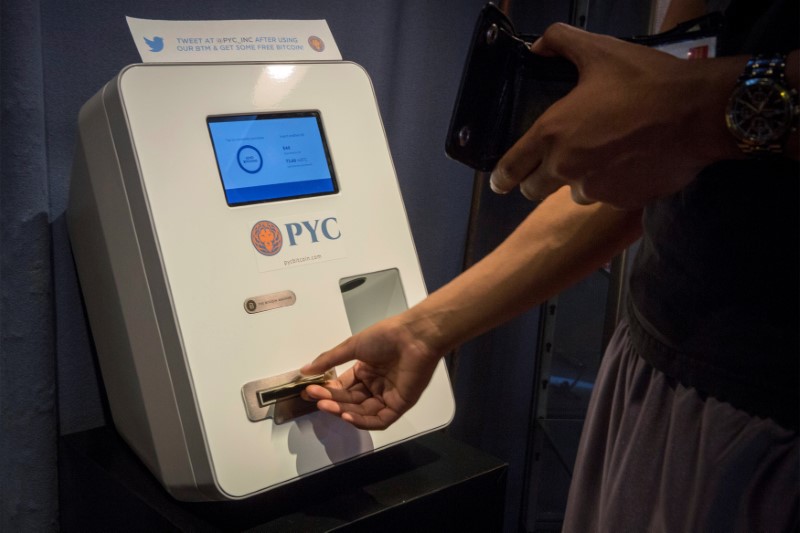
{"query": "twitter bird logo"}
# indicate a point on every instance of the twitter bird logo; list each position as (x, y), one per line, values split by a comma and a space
(156, 44)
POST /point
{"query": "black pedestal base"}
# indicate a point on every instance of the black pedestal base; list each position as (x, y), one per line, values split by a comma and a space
(432, 483)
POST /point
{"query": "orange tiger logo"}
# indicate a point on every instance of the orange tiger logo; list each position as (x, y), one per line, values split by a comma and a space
(266, 238)
(316, 43)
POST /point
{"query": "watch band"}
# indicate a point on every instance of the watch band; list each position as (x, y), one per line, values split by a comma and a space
(765, 66)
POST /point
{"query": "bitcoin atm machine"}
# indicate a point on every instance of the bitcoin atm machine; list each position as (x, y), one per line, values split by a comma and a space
(229, 223)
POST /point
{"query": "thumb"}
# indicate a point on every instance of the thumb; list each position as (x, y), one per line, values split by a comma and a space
(341, 354)
(565, 41)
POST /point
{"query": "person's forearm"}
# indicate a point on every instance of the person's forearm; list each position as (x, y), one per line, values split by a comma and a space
(556, 246)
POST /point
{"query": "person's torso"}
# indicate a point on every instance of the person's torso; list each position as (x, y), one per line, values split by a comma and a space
(714, 287)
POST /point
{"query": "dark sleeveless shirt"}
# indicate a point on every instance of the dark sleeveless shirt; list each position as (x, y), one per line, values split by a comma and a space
(714, 290)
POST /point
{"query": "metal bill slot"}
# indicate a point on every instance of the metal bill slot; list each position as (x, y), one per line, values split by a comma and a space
(278, 397)
(288, 390)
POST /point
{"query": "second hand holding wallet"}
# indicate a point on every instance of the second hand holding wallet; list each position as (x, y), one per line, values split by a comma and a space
(505, 87)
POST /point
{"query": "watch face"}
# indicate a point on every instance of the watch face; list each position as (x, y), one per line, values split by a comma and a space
(760, 111)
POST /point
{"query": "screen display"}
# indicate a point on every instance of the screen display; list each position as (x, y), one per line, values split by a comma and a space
(275, 156)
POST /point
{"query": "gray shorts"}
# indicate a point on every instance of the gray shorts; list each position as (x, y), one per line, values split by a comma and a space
(656, 456)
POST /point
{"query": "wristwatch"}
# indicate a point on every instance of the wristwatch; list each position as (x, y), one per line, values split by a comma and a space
(762, 110)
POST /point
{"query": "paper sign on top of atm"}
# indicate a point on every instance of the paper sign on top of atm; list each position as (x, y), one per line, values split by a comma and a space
(208, 41)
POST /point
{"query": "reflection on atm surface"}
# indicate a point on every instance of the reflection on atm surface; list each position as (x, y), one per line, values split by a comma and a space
(369, 298)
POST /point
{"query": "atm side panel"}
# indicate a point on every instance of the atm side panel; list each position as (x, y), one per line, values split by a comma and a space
(120, 308)
(173, 353)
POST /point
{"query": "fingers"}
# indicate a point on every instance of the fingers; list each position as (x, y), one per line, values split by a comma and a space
(372, 414)
(539, 186)
(578, 197)
(340, 354)
(355, 406)
(531, 163)
(345, 389)
(350, 400)
(338, 395)
(566, 41)
(522, 166)
(520, 162)
(344, 383)
(378, 421)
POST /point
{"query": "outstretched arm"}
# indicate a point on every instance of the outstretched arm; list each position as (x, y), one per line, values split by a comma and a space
(558, 244)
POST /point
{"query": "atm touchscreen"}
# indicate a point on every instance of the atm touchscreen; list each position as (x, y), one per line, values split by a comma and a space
(269, 157)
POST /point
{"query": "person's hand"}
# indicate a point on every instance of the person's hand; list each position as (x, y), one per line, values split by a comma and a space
(640, 124)
(393, 367)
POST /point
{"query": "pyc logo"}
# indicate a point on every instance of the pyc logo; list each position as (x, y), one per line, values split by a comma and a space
(266, 238)
(156, 44)
(316, 43)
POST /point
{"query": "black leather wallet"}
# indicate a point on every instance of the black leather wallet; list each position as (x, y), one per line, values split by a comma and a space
(505, 87)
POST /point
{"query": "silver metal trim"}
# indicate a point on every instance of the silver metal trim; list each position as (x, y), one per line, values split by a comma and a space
(278, 397)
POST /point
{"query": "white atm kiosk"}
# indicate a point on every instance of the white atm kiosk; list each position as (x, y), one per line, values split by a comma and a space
(229, 223)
